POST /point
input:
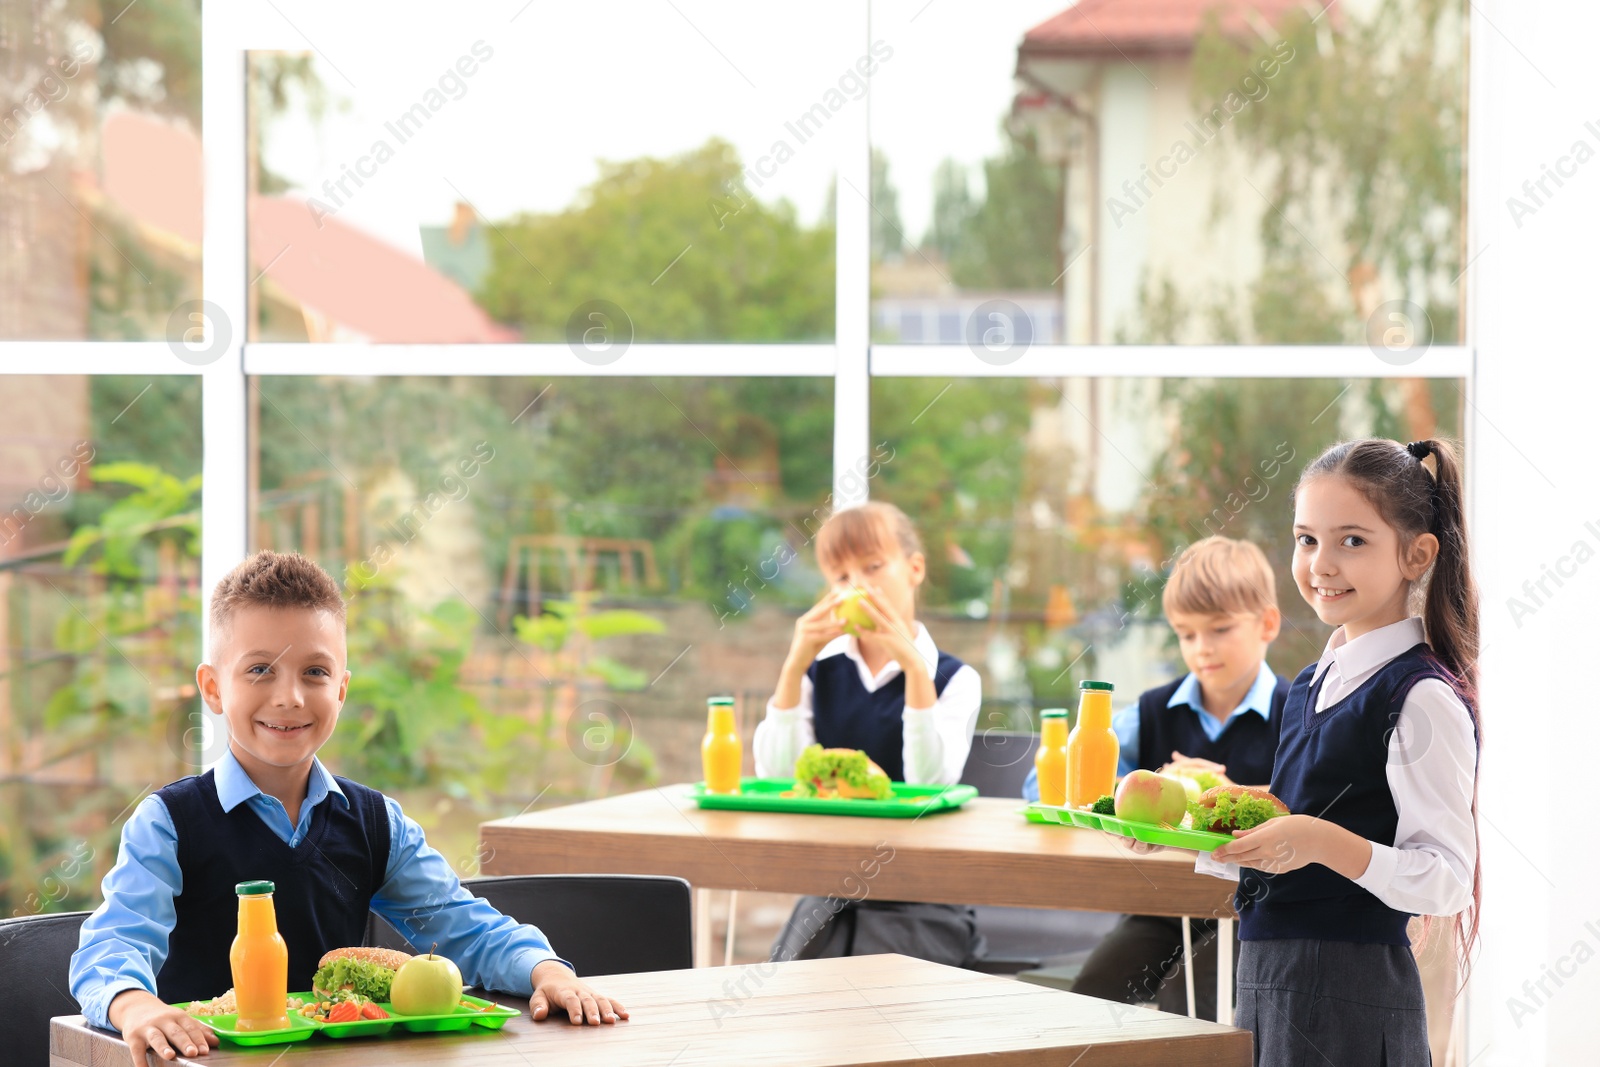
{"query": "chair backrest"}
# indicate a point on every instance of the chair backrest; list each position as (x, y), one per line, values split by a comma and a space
(601, 923)
(35, 953)
(999, 762)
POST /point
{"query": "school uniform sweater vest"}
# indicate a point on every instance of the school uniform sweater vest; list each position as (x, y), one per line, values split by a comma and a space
(322, 888)
(1246, 745)
(845, 715)
(1333, 765)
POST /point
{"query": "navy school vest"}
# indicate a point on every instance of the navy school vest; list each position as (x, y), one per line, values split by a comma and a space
(322, 888)
(1246, 745)
(845, 715)
(1334, 765)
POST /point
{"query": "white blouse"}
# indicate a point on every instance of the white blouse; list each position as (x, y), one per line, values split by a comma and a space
(1427, 869)
(937, 739)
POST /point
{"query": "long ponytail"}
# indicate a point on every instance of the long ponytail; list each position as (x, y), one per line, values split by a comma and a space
(1450, 610)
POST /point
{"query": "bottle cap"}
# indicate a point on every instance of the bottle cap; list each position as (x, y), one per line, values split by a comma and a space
(720, 702)
(252, 889)
(1105, 686)
(1053, 713)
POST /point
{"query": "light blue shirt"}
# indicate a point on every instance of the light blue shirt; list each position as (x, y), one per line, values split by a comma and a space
(1125, 723)
(124, 943)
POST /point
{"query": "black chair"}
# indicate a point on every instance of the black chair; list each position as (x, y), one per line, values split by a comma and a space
(601, 923)
(1024, 939)
(999, 762)
(35, 953)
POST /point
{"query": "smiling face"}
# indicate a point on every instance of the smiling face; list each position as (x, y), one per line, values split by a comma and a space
(1349, 564)
(1224, 651)
(278, 676)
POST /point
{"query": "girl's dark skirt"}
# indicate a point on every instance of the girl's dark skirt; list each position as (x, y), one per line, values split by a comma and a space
(1332, 1004)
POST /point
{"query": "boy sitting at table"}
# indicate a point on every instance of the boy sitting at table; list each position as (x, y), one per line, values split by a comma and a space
(1222, 716)
(269, 809)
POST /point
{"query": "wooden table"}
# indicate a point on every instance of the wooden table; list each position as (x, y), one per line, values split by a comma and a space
(808, 1013)
(984, 853)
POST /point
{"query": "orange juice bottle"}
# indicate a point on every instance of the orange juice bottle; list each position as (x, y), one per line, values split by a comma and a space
(260, 961)
(1092, 749)
(721, 753)
(1051, 759)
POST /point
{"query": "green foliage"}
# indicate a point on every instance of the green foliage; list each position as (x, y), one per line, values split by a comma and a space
(1364, 126)
(163, 507)
(888, 232)
(159, 34)
(680, 245)
(106, 692)
(958, 470)
(1012, 239)
(408, 719)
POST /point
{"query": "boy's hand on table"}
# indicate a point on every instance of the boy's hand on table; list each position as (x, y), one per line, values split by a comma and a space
(554, 986)
(148, 1022)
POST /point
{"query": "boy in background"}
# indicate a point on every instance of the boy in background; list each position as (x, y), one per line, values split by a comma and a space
(1222, 716)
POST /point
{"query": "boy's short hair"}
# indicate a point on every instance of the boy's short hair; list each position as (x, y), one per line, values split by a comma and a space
(1220, 576)
(857, 532)
(275, 580)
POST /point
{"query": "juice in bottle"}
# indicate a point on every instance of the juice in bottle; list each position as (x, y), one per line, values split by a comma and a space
(721, 753)
(1092, 749)
(1051, 759)
(260, 961)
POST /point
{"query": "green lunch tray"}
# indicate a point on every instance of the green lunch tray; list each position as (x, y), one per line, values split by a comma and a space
(485, 1013)
(766, 794)
(1177, 837)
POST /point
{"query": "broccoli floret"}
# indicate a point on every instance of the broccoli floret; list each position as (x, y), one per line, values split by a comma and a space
(1104, 806)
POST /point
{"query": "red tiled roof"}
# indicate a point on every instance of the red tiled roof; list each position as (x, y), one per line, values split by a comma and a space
(1095, 28)
(360, 282)
(153, 170)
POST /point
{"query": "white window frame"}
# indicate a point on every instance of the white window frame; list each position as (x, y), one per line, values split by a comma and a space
(851, 360)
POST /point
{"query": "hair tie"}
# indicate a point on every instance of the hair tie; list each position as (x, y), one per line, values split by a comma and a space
(1420, 449)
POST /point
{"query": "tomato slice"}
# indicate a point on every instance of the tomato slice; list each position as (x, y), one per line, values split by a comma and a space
(372, 1011)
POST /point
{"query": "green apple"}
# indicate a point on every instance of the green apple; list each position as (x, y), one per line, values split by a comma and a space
(1145, 796)
(850, 612)
(426, 985)
(1191, 786)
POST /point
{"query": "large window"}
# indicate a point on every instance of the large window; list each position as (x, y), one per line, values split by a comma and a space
(500, 187)
(546, 577)
(1052, 508)
(99, 608)
(1110, 173)
(554, 332)
(100, 169)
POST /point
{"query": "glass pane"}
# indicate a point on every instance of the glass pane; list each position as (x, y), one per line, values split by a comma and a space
(1114, 172)
(1052, 508)
(100, 169)
(99, 608)
(505, 182)
(546, 578)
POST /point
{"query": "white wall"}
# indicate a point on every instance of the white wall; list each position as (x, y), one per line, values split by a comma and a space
(1531, 314)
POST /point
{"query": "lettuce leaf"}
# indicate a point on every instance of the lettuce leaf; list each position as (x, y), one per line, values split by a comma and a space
(1240, 811)
(365, 979)
(818, 768)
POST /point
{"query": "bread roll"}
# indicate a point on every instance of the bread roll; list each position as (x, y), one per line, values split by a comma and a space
(383, 957)
(1208, 799)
